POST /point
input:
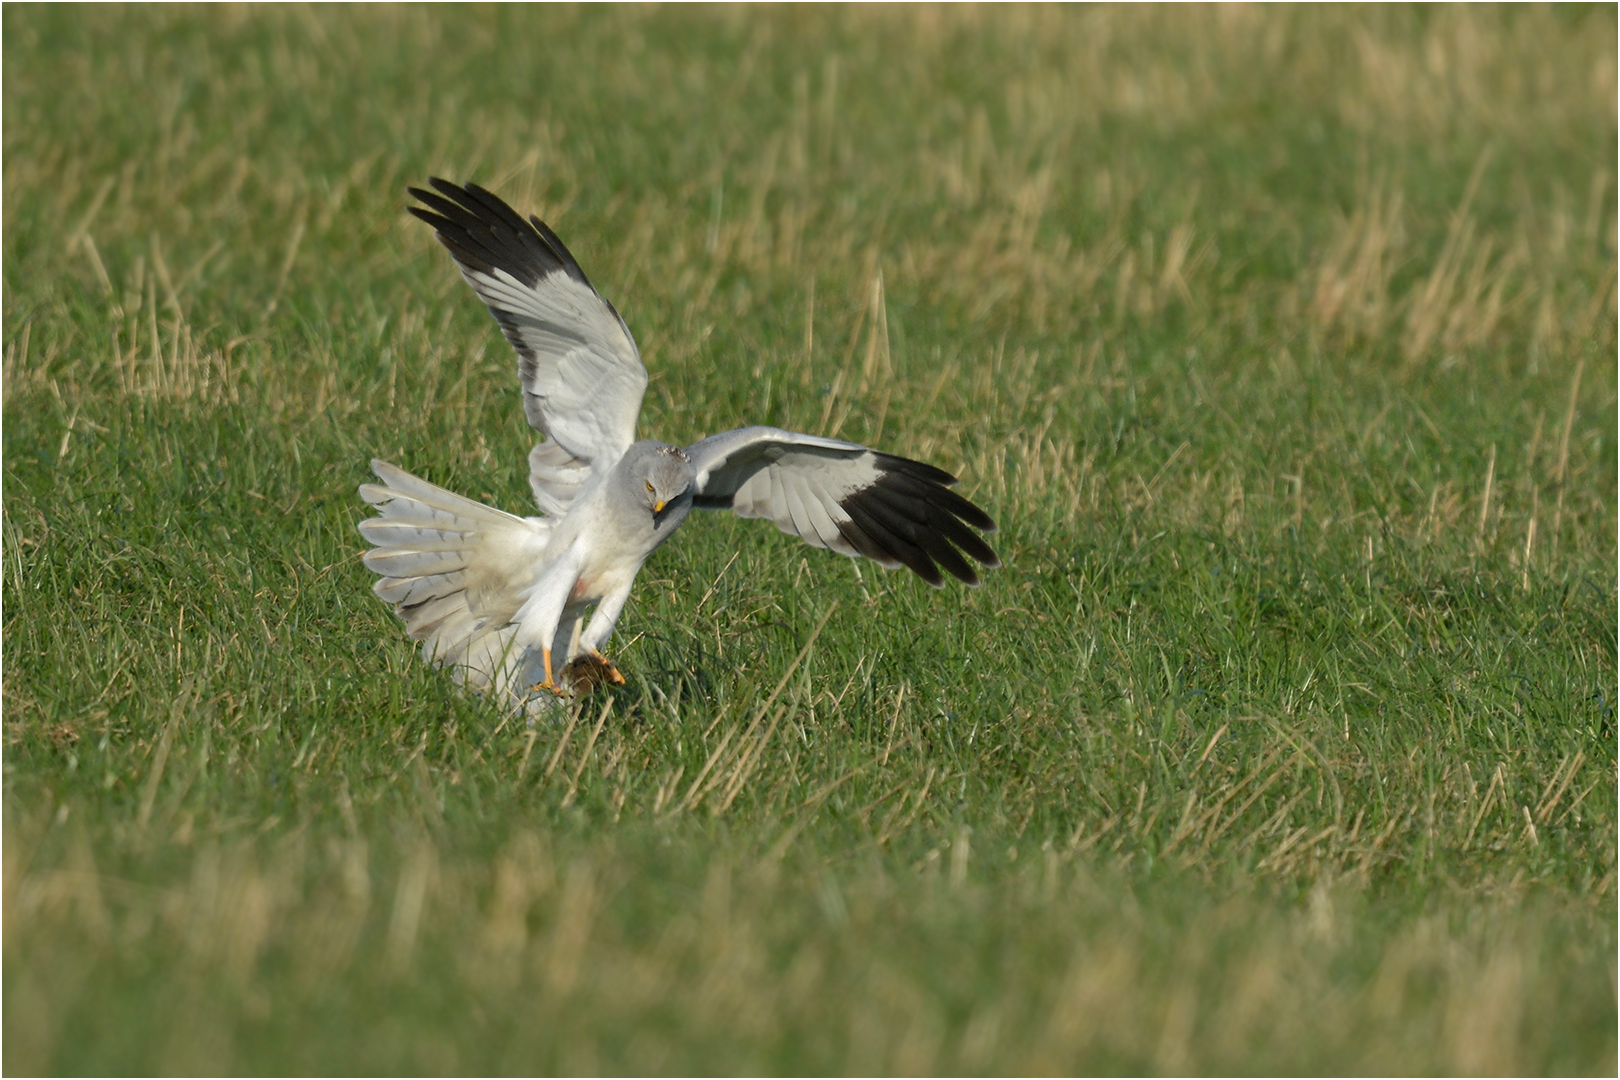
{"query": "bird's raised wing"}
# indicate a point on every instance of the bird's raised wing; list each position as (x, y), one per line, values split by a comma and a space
(845, 497)
(581, 373)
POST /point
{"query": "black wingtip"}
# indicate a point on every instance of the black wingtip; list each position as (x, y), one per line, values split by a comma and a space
(424, 214)
(918, 470)
(484, 233)
(911, 514)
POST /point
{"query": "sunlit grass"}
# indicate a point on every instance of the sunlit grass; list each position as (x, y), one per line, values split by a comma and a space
(1280, 342)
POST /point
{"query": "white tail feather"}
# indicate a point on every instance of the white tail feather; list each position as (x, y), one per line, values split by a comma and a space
(456, 571)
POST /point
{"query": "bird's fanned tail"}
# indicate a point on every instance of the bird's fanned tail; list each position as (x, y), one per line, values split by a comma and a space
(455, 571)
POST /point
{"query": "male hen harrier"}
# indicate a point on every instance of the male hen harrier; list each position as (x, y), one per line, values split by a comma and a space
(500, 599)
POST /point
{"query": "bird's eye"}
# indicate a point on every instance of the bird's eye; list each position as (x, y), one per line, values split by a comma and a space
(649, 486)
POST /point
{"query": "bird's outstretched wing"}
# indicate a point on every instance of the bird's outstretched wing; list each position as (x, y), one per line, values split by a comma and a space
(581, 373)
(845, 497)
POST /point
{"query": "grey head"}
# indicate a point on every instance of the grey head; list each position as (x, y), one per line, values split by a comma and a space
(658, 478)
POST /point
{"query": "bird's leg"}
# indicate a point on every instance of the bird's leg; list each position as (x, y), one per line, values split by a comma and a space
(597, 633)
(546, 682)
(549, 683)
(560, 680)
(540, 614)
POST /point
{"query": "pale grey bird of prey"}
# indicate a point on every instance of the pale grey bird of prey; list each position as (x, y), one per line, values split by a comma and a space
(500, 600)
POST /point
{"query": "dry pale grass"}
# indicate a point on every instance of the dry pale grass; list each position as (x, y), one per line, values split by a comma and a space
(743, 959)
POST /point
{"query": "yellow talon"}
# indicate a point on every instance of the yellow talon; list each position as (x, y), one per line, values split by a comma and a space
(548, 683)
(608, 668)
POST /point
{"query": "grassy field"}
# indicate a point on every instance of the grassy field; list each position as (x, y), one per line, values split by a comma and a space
(1280, 342)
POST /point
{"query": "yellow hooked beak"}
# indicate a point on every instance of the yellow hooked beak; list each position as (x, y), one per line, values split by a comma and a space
(658, 507)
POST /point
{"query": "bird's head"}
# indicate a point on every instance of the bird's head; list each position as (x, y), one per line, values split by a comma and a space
(664, 480)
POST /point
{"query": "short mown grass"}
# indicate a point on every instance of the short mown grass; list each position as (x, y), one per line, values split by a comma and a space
(1281, 343)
